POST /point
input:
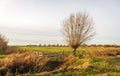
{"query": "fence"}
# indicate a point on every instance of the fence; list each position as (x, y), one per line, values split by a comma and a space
(51, 55)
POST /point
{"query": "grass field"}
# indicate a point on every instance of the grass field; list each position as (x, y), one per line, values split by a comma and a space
(67, 50)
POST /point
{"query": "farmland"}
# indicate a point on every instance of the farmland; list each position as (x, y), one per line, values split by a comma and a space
(59, 38)
(102, 61)
(66, 50)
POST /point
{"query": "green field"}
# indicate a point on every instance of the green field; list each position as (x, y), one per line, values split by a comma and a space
(67, 50)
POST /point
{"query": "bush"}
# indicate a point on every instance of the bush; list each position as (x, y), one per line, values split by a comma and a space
(3, 44)
(24, 63)
(13, 49)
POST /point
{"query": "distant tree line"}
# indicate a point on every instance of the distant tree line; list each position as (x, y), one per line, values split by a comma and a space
(106, 45)
(99, 45)
(84, 45)
(49, 45)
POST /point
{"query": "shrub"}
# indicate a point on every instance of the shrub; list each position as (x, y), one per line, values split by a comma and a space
(3, 44)
(13, 49)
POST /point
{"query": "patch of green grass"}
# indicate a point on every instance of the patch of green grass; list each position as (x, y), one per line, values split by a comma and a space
(114, 61)
(75, 73)
(102, 66)
(80, 73)
(3, 55)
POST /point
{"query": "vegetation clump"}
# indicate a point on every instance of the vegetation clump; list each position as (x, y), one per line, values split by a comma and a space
(3, 43)
(26, 62)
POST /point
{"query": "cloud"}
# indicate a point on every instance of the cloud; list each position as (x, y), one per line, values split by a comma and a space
(24, 21)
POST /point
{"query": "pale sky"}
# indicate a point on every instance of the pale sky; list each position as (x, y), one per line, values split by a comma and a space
(39, 21)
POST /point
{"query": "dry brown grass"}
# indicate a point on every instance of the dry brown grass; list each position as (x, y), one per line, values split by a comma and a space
(105, 53)
(30, 62)
(23, 63)
(1, 62)
(72, 63)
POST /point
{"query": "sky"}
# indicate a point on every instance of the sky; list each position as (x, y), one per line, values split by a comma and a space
(40, 21)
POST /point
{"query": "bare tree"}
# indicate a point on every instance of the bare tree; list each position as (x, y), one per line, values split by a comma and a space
(3, 43)
(77, 29)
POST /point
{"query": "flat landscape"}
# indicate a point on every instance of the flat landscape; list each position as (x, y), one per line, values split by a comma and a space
(100, 61)
(59, 38)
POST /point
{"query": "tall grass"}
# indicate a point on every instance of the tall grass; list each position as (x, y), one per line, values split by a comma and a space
(25, 62)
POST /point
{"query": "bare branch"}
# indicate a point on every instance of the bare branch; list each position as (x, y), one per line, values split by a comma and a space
(78, 29)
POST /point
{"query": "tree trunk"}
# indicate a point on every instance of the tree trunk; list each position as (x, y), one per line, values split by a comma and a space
(74, 51)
